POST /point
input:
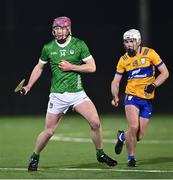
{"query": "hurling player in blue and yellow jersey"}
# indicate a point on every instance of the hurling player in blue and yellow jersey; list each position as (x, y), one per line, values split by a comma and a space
(68, 57)
(139, 63)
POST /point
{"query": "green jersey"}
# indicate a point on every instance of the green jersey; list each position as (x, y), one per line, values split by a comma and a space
(75, 51)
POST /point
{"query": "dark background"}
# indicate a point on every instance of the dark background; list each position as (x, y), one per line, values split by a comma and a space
(26, 25)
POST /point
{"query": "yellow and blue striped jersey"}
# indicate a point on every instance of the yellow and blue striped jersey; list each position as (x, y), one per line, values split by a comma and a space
(140, 70)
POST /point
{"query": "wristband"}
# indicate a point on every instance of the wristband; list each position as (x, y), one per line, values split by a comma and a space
(150, 88)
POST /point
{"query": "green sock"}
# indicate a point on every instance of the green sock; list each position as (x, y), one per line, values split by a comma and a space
(99, 152)
(35, 156)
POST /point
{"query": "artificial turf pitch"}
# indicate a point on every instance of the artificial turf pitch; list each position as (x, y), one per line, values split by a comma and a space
(71, 155)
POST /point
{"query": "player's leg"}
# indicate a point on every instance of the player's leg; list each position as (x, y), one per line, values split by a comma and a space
(43, 138)
(55, 111)
(51, 124)
(132, 115)
(145, 114)
(129, 100)
(143, 127)
(88, 111)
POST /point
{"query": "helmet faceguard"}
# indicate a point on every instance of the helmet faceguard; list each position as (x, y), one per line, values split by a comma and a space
(132, 34)
(61, 22)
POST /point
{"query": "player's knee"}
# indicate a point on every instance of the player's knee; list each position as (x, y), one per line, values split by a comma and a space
(95, 125)
(49, 133)
(133, 128)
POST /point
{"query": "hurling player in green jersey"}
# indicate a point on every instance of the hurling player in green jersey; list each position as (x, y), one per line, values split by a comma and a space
(68, 58)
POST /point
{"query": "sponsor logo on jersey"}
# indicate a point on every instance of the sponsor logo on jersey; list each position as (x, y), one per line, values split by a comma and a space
(135, 74)
(140, 72)
(136, 71)
(53, 53)
(135, 63)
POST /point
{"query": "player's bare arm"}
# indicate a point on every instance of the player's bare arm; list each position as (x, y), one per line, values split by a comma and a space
(115, 89)
(36, 73)
(164, 74)
(88, 67)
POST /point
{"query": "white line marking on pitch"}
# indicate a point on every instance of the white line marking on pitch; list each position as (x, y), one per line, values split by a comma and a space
(86, 140)
(94, 169)
(118, 170)
(17, 169)
(14, 169)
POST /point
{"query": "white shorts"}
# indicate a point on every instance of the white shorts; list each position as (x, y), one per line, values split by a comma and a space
(60, 102)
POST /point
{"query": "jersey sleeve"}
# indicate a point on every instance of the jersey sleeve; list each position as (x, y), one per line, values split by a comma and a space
(120, 67)
(85, 53)
(155, 58)
(44, 56)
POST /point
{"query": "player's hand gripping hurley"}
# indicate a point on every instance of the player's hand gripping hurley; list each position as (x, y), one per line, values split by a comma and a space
(19, 88)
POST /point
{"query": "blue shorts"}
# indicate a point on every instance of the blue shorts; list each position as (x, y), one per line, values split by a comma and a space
(144, 105)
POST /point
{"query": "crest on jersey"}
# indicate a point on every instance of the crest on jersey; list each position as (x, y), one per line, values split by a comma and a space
(143, 60)
(71, 51)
